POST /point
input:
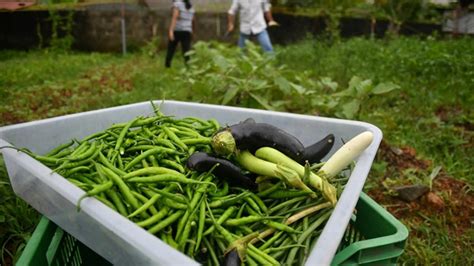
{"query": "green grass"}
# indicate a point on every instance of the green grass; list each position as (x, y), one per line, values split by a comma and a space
(433, 74)
(434, 243)
(17, 220)
(431, 112)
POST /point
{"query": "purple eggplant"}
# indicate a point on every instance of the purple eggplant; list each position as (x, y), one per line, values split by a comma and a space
(249, 135)
(315, 152)
(203, 162)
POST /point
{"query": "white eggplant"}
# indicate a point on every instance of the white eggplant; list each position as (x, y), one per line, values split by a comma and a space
(345, 155)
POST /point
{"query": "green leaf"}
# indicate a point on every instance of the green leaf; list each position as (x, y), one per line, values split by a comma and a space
(279, 104)
(235, 80)
(360, 87)
(332, 103)
(258, 84)
(354, 82)
(222, 63)
(283, 84)
(364, 88)
(346, 92)
(229, 95)
(385, 87)
(245, 67)
(261, 101)
(299, 89)
(433, 175)
(327, 82)
(350, 109)
(252, 51)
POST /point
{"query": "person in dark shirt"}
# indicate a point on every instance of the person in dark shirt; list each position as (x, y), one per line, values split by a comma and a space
(180, 30)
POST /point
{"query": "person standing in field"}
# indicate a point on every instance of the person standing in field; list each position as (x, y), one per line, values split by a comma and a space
(252, 21)
(180, 30)
(461, 10)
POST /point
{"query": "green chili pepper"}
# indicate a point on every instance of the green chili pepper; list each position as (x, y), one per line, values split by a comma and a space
(155, 218)
(86, 154)
(96, 190)
(305, 234)
(252, 204)
(173, 164)
(222, 192)
(124, 131)
(269, 190)
(152, 171)
(166, 178)
(144, 207)
(247, 220)
(229, 201)
(169, 220)
(124, 189)
(194, 202)
(59, 148)
(228, 213)
(109, 165)
(117, 201)
(175, 138)
(202, 217)
(281, 227)
(272, 240)
(285, 204)
(211, 251)
(146, 154)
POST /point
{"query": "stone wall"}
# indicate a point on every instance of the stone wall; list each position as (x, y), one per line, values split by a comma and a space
(98, 27)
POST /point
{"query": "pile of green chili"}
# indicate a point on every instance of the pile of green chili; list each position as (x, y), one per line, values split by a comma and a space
(138, 169)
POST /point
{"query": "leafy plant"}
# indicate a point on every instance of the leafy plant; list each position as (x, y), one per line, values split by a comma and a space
(397, 12)
(61, 28)
(151, 47)
(359, 91)
(252, 79)
(231, 77)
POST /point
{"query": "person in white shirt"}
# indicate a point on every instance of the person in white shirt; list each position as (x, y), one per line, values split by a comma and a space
(252, 21)
(180, 30)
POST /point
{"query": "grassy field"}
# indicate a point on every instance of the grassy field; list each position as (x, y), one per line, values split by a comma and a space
(419, 92)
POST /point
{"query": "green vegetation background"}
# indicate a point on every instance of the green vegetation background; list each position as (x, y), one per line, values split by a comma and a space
(401, 85)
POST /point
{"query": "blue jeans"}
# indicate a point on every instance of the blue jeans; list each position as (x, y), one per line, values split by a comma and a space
(262, 38)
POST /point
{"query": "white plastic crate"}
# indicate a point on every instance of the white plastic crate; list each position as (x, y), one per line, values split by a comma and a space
(121, 241)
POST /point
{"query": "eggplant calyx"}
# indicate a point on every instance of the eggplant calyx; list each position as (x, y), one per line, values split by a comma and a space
(223, 143)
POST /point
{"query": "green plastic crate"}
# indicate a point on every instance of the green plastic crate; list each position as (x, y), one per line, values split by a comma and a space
(373, 237)
(49, 245)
